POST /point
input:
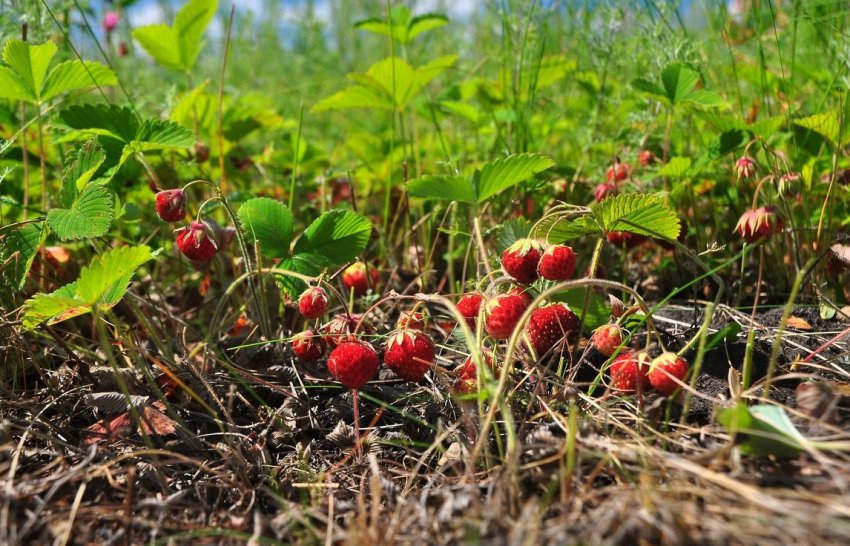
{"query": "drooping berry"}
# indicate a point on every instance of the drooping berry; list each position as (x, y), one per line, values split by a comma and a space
(411, 320)
(618, 172)
(409, 353)
(745, 167)
(550, 327)
(171, 205)
(503, 313)
(360, 278)
(646, 157)
(313, 302)
(469, 305)
(760, 223)
(353, 363)
(629, 371)
(558, 263)
(467, 372)
(521, 258)
(665, 369)
(604, 190)
(341, 328)
(308, 346)
(196, 242)
(607, 338)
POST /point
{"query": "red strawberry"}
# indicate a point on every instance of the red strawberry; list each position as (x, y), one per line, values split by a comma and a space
(171, 205)
(606, 189)
(629, 371)
(466, 372)
(341, 327)
(625, 239)
(549, 326)
(524, 294)
(521, 258)
(195, 241)
(353, 363)
(503, 313)
(411, 320)
(558, 263)
(664, 368)
(360, 278)
(202, 152)
(618, 172)
(313, 303)
(469, 306)
(308, 346)
(410, 354)
(745, 167)
(607, 338)
(646, 157)
(762, 222)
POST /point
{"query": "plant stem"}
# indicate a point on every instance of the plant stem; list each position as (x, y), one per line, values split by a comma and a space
(747, 372)
(296, 156)
(41, 159)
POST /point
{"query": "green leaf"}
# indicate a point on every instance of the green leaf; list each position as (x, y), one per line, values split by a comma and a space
(676, 167)
(512, 231)
(178, 47)
(648, 87)
(74, 75)
(641, 213)
(762, 430)
(443, 187)
(19, 248)
(29, 62)
(425, 22)
(269, 223)
(102, 119)
(293, 286)
(678, 82)
(52, 308)
(105, 280)
(560, 228)
(333, 238)
(89, 216)
(160, 133)
(12, 87)
(503, 173)
(80, 168)
(705, 98)
(162, 43)
(728, 332)
(354, 97)
(598, 311)
(825, 124)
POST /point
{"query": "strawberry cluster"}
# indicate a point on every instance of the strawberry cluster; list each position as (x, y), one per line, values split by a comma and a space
(635, 371)
(197, 241)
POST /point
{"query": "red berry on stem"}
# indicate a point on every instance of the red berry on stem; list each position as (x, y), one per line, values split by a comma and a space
(341, 328)
(745, 167)
(171, 205)
(409, 353)
(353, 363)
(618, 172)
(503, 313)
(196, 242)
(360, 278)
(313, 302)
(665, 369)
(466, 372)
(469, 305)
(521, 258)
(550, 326)
(411, 320)
(646, 157)
(604, 190)
(760, 223)
(558, 263)
(607, 338)
(308, 346)
(629, 371)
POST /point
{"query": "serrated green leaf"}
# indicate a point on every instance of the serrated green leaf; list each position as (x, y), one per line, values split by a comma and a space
(766, 127)
(160, 133)
(676, 167)
(503, 173)
(269, 223)
(81, 166)
(333, 238)
(425, 22)
(52, 308)
(354, 97)
(678, 82)
(704, 98)
(560, 228)
(162, 43)
(90, 215)
(190, 23)
(762, 430)
(29, 62)
(12, 87)
(512, 231)
(19, 248)
(443, 187)
(74, 75)
(648, 87)
(294, 286)
(105, 280)
(825, 124)
(462, 109)
(102, 119)
(598, 311)
(641, 213)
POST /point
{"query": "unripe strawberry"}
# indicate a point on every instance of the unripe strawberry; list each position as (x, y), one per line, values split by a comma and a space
(360, 278)
(469, 305)
(558, 263)
(503, 313)
(521, 258)
(341, 328)
(308, 346)
(409, 353)
(629, 371)
(646, 157)
(760, 223)
(665, 369)
(171, 205)
(618, 172)
(625, 239)
(313, 302)
(604, 190)
(195, 241)
(549, 327)
(353, 363)
(607, 338)
(745, 167)
(411, 320)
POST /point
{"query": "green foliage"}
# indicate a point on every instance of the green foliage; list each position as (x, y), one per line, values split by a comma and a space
(676, 167)
(90, 215)
(677, 87)
(402, 26)
(334, 238)
(25, 75)
(597, 313)
(825, 124)
(19, 248)
(102, 283)
(494, 177)
(177, 47)
(762, 430)
(268, 223)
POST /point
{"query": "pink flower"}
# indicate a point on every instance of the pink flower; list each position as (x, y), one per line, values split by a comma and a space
(110, 21)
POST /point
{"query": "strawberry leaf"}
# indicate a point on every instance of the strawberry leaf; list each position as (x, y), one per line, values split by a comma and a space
(268, 223)
(505, 172)
(334, 238)
(443, 187)
(641, 213)
(19, 248)
(89, 216)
